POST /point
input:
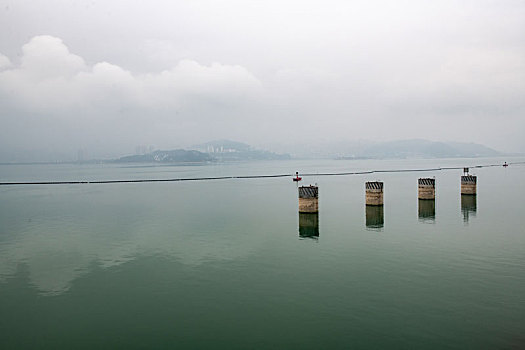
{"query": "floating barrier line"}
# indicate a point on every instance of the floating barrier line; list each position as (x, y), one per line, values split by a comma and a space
(141, 180)
(399, 170)
(244, 176)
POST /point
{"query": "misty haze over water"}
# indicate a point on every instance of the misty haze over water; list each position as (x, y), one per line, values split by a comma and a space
(105, 77)
(146, 158)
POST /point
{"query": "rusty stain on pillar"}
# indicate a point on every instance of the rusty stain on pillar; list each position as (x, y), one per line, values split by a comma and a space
(426, 188)
(308, 199)
(374, 193)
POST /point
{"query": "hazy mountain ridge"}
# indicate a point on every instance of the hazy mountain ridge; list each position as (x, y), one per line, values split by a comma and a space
(227, 150)
(368, 149)
(172, 156)
(417, 148)
(219, 150)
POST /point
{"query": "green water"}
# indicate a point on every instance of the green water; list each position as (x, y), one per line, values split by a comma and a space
(230, 264)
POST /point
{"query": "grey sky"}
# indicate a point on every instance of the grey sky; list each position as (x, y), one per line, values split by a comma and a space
(106, 76)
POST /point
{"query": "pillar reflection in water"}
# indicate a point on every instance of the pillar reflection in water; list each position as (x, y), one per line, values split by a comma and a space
(309, 225)
(427, 210)
(374, 217)
(468, 206)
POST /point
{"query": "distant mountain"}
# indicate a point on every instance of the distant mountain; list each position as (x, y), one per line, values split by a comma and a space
(173, 156)
(227, 150)
(474, 149)
(424, 149)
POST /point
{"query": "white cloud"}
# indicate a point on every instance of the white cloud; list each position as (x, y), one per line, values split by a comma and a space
(46, 57)
(52, 79)
(191, 80)
(4, 62)
(322, 69)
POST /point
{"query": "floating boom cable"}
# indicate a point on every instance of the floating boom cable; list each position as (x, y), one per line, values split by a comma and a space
(244, 176)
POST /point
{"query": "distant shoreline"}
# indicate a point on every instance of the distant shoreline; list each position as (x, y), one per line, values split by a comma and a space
(133, 164)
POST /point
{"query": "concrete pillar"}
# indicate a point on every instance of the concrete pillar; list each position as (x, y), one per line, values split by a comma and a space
(308, 199)
(468, 184)
(374, 193)
(309, 225)
(426, 188)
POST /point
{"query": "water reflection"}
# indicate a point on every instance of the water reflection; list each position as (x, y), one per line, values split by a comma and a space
(309, 225)
(73, 238)
(427, 210)
(374, 217)
(468, 206)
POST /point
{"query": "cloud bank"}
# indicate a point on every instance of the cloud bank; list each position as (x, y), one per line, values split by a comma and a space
(53, 86)
(263, 73)
(50, 78)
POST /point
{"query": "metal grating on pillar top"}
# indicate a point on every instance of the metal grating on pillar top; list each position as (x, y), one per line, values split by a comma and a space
(468, 179)
(308, 192)
(374, 185)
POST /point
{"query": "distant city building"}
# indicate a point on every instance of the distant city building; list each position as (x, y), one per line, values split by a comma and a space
(141, 149)
(219, 149)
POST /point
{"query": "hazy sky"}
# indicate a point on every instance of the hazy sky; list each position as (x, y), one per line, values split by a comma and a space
(106, 76)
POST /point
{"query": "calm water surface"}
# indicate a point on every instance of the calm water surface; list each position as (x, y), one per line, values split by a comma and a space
(230, 264)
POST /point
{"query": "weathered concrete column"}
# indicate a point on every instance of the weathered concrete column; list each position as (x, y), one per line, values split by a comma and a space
(308, 199)
(374, 193)
(426, 188)
(309, 225)
(468, 184)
